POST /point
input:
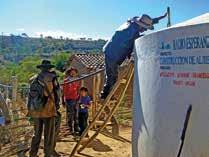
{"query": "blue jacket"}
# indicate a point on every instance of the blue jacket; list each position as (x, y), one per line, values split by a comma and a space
(122, 42)
(86, 101)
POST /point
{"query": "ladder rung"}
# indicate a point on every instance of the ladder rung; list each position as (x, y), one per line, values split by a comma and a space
(123, 81)
(113, 101)
(100, 122)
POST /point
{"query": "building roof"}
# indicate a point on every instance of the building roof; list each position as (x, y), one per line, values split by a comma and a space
(93, 61)
(90, 61)
(197, 20)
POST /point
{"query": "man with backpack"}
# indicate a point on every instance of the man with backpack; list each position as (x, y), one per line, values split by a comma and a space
(43, 104)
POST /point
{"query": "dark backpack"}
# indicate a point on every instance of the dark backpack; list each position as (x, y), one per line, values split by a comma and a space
(36, 97)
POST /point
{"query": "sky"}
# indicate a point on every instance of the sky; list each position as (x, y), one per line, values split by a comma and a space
(88, 18)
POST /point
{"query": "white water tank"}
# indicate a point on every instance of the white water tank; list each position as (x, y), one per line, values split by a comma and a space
(172, 73)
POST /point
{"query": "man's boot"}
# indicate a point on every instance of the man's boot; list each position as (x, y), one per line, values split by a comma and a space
(105, 92)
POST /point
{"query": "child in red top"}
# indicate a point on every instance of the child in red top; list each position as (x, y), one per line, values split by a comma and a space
(71, 95)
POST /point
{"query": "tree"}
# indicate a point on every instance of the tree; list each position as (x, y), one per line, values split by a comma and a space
(60, 60)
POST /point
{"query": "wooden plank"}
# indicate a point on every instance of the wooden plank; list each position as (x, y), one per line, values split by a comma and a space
(100, 122)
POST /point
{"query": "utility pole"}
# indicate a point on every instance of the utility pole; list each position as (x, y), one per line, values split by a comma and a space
(2, 40)
(169, 17)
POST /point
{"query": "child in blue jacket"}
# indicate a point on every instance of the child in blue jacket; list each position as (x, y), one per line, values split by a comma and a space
(84, 105)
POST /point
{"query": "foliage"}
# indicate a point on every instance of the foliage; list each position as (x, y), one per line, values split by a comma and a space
(15, 48)
(60, 60)
(19, 55)
(27, 68)
(7, 72)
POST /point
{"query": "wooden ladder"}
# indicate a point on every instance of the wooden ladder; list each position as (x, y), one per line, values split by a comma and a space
(119, 87)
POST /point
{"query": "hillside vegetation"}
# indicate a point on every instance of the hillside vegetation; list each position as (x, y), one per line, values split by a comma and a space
(19, 55)
(26, 68)
(15, 48)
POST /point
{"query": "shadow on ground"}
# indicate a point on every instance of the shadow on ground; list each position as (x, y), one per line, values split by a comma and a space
(98, 146)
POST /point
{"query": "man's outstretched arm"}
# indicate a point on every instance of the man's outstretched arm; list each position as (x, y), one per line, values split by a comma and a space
(157, 19)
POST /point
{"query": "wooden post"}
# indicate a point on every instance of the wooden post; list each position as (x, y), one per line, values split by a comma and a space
(98, 86)
(94, 97)
(7, 92)
(14, 91)
(82, 83)
(4, 108)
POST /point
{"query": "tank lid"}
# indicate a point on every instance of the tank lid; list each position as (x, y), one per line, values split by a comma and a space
(204, 18)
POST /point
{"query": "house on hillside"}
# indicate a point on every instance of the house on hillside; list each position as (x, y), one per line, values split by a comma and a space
(88, 63)
(83, 39)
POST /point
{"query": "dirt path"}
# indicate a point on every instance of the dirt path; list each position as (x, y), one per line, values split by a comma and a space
(102, 146)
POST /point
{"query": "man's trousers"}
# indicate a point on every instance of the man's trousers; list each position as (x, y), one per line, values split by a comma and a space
(48, 125)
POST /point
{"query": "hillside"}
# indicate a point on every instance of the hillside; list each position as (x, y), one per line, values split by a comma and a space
(15, 48)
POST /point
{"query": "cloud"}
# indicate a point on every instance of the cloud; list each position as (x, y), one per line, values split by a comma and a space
(58, 33)
(20, 29)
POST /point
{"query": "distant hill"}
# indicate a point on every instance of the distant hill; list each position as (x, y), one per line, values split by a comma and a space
(15, 48)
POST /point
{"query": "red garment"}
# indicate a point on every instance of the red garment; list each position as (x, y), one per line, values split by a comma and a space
(71, 90)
